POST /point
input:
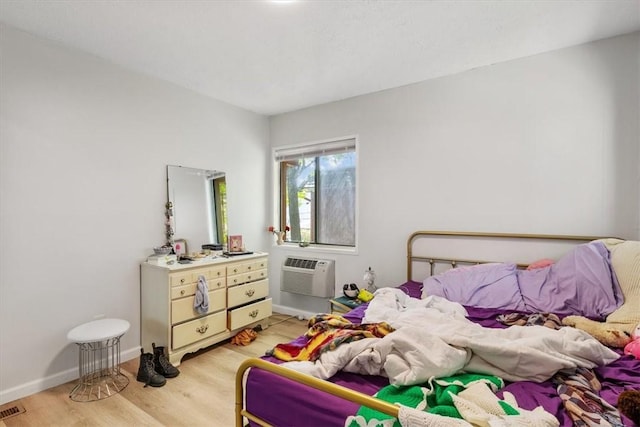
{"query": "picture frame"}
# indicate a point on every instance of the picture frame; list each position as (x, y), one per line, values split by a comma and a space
(235, 243)
(180, 247)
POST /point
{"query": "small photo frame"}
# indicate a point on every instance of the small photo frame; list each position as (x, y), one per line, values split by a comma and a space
(235, 243)
(180, 247)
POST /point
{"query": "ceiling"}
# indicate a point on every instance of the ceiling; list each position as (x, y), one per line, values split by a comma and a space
(272, 57)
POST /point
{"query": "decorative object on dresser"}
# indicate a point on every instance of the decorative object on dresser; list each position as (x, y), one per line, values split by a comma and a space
(238, 298)
(180, 247)
(235, 244)
(162, 250)
(168, 223)
(162, 259)
(213, 248)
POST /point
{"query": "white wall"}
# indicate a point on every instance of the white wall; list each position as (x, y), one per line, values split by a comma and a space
(84, 146)
(545, 144)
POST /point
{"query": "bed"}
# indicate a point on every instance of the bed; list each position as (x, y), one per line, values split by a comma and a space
(270, 394)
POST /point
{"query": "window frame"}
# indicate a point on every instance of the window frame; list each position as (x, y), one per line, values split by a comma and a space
(279, 161)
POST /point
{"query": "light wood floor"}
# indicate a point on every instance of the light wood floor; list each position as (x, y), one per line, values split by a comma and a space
(202, 395)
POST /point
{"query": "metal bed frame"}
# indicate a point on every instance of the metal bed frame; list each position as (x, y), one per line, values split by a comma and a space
(360, 398)
(411, 258)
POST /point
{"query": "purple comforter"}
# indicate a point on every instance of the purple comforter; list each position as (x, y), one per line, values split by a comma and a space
(582, 283)
(284, 403)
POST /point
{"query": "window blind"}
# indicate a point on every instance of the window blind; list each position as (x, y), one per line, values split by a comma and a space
(315, 150)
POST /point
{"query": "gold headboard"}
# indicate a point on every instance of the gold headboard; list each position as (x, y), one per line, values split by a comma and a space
(417, 254)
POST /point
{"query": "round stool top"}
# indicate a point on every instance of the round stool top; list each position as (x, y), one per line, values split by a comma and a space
(98, 330)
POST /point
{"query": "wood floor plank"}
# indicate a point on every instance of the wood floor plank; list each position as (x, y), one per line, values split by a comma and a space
(202, 395)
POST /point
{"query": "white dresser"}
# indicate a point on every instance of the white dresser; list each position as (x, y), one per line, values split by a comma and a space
(238, 298)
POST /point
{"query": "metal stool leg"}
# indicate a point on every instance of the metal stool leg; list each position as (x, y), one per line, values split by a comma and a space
(100, 375)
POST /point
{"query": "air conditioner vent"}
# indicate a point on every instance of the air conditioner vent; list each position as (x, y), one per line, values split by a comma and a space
(309, 264)
(308, 276)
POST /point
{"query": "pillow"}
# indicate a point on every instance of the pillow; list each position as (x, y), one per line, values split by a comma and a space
(541, 263)
(492, 285)
(625, 261)
(580, 283)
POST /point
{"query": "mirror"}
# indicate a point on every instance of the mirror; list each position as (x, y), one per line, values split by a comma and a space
(199, 206)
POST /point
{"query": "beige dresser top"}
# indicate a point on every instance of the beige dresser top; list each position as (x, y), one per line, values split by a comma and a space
(208, 261)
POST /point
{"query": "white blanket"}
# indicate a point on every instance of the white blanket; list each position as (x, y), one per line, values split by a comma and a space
(434, 339)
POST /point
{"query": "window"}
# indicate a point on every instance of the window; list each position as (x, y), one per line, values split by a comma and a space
(318, 192)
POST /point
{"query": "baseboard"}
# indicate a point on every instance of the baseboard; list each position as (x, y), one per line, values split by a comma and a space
(54, 380)
(301, 314)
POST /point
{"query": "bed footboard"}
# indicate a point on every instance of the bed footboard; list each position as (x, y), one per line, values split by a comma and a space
(325, 386)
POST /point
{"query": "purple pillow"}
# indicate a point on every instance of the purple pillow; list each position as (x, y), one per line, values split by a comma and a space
(581, 282)
(492, 285)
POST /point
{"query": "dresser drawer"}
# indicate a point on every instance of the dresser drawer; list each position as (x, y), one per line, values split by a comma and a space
(243, 316)
(180, 279)
(182, 309)
(190, 289)
(235, 269)
(257, 275)
(216, 273)
(246, 267)
(260, 264)
(198, 329)
(183, 291)
(251, 276)
(246, 293)
(217, 283)
(254, 266)
(237, 279)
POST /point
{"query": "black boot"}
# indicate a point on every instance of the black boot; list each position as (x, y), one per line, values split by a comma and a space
(162, 364)
(147, 373)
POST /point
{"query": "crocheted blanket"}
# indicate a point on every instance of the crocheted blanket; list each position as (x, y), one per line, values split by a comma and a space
(461, 400)
(434, 396)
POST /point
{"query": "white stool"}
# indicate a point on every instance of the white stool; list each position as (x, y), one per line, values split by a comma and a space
(99, 359)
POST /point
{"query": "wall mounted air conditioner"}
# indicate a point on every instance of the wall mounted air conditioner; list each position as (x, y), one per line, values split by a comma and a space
(308, 276)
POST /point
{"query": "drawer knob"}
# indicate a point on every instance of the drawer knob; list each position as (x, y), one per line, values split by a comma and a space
(235, 270)
(249, 277)
(249, 268)
(202, 329)
(250, 292)
(182, 280)
(182, 292)
(254, 314)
